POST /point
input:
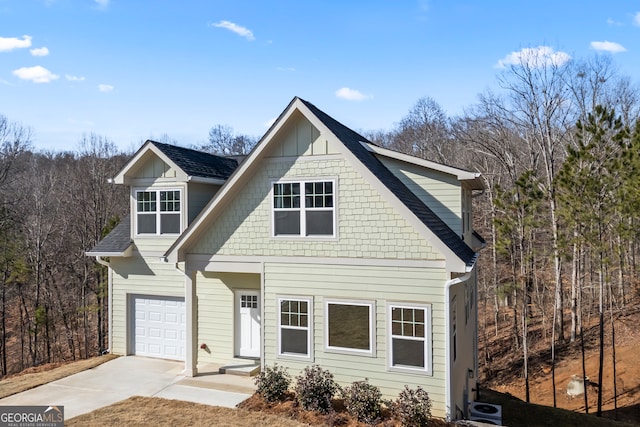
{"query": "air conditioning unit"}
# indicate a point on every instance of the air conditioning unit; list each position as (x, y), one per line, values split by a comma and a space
(485, 412)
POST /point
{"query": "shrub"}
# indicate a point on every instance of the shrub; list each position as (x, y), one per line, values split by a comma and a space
(314, 389)
(362, 400)
(272, 383)
(413, 407)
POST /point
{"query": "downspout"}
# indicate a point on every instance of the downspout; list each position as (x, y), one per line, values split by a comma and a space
(447, 348)
(101, 261)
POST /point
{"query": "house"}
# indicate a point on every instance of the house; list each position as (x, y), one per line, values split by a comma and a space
(319, 248)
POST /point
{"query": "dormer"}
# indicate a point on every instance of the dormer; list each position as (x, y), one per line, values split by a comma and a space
(169, 187)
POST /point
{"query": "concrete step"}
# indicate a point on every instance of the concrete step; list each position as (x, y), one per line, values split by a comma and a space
(245, 369)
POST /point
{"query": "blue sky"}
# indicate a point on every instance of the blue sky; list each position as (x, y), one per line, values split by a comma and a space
(136, 69)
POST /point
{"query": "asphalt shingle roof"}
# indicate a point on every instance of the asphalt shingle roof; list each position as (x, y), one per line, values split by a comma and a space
(351, 140)
(117, 241)
(198, 163)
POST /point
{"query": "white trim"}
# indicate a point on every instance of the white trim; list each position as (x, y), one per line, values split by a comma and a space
(310, 351)
(302, 158)
(371, 304)
(158, 213)
(210, 262)
(303, 208)
(428, 338)
(148, 146)
(460, 174)
(124, 254)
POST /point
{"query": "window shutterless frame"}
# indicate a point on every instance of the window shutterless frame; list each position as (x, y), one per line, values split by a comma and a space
(295, 327)
(305, 208)
(409, 338)
(350, 327)
(158, 212)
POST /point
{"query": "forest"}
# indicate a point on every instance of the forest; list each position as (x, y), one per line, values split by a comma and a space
(558, 146)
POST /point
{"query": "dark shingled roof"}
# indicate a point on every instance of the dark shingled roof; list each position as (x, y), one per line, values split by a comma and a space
(351, 140)
(117, 241)
(198, 163)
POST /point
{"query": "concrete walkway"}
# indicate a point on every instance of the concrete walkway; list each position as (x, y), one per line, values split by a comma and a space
(124, 377)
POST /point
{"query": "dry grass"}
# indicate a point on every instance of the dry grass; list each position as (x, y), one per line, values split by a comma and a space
(145, 411)
(33, 377)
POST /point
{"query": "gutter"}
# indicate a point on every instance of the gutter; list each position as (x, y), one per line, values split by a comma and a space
(447, 348)
(101, 261)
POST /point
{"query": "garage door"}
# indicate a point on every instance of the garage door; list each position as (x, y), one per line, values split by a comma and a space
(159, 327)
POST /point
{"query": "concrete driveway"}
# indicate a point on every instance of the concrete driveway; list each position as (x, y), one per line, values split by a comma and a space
(129, 376)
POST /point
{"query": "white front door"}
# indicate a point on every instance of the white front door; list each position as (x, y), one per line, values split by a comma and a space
(248, 323)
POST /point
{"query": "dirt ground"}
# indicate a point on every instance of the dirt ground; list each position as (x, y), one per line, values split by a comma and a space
(627, 373)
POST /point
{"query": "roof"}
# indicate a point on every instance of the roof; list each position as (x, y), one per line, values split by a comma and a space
(351, 141)
(198, 163)
(116, 243)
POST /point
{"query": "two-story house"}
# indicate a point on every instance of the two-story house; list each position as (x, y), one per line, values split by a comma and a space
(319, 248)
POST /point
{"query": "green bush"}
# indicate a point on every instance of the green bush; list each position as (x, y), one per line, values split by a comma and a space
(272, 383)
(362, 400)
(314, 389)
(413, 407)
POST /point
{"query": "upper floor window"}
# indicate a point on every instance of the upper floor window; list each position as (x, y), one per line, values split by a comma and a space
(304, 208)
(158, 212)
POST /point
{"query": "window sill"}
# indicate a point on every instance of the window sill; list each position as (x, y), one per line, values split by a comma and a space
(364, 353)
(409, 370)
(293, 357)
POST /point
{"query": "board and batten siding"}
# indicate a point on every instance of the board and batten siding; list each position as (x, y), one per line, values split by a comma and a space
(366, 283)
(216, 313)
(139, 276)
(440, 191)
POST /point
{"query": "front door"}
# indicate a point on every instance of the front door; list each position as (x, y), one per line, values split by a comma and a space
(248, 323)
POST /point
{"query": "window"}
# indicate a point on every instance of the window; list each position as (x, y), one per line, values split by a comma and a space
(409, 337)
(294, 327)
(303, 208)
(158, 212)
(349, 327)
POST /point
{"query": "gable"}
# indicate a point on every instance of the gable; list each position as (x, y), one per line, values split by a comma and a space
(155, 167)
(440, 191)
(299, 137)
(367, 225)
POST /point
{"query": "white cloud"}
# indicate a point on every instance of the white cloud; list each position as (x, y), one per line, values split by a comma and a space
(269, 123)
(606, 46)
(351, 94)
(102, 3)
(74, 78)
(239, 30)
(636, 19)
(39, 51)
(534, 57)
(36, 74)
(9, 43)
(614, 23)
(105, 88)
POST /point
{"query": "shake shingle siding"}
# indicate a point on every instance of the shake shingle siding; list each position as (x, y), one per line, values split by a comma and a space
(351, 140)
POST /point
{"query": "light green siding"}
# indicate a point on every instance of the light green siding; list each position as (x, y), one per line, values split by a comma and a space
(154, 167)
(372, 283)
(368, 226)
(197, 197)
(216, 313)
(139, 276)
(299, 137)
(440, 191)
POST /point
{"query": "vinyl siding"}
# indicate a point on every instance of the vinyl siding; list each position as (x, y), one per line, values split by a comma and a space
(440, 191)
(216, 313)
(373, 283)
(199, 195)
(367, 225)
(139, 276)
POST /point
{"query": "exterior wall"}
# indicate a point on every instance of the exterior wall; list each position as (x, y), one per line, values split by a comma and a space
(441, 192)
(198, 196)
(138, 276)
(367, 225)
(465, 295)
(156, 168)
(216, 313)
(300, 138)
(377, 283)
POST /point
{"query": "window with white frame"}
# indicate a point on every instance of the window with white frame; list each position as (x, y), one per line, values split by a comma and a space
(304, 208)
(158, 212)
(350, 326)
(295, 322)
(409, 331)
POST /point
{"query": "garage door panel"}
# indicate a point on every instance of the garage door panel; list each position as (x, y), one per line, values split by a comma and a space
(160, 329)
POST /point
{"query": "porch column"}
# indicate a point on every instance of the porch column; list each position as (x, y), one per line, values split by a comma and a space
(190, 362)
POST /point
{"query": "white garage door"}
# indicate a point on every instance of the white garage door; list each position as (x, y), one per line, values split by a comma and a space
(159, 327)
